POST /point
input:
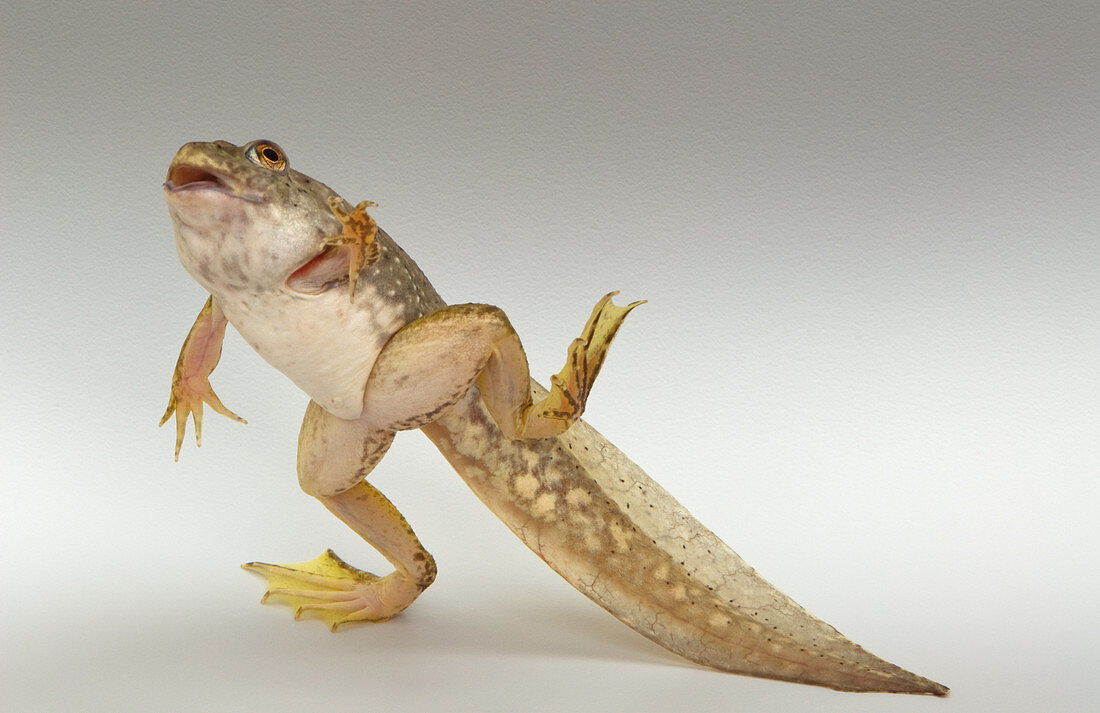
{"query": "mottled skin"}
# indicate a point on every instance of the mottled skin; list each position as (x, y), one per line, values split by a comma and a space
(331, 301)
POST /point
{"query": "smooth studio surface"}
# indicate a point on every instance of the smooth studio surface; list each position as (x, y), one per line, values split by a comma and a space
(867, 235)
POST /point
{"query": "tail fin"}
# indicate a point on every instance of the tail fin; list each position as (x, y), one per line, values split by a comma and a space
(605, 526)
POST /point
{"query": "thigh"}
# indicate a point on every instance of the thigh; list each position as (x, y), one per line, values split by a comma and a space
(432, 362)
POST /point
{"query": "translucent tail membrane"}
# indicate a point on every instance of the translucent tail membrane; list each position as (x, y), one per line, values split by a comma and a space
(599, 521)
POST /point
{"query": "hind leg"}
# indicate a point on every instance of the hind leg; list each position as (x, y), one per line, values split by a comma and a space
(432, 362)
(334, 457)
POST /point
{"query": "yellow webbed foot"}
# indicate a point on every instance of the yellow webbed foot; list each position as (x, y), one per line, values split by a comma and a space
(332, 590)
(570, 387)
(358, 236)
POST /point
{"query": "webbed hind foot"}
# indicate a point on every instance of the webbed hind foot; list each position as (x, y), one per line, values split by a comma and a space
(330, 589)
(570, 387)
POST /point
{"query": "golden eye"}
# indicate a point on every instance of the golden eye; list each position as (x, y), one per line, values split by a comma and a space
(267, 154)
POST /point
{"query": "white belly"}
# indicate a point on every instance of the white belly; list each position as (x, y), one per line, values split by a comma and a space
(325, 344)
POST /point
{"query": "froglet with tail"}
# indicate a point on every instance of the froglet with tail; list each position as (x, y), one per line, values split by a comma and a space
(329, 299)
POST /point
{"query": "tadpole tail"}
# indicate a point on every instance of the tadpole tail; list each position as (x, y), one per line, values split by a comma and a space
(599, 521)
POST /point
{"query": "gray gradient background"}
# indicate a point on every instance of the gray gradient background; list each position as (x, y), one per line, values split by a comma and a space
(868, 235)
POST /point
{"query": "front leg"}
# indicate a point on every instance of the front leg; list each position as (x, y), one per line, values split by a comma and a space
(190, 382)
(334, 457)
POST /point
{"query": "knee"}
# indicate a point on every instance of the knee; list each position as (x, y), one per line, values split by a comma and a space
(482, 314)
(425, 564)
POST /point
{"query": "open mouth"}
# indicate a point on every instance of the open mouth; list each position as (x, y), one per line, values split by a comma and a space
(193, 178)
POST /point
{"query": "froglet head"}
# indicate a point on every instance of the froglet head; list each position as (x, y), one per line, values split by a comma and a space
(246, 222)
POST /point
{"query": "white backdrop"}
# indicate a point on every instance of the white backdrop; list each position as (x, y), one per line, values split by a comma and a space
(867, 234)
